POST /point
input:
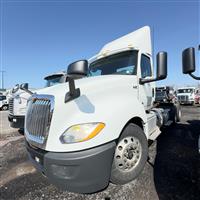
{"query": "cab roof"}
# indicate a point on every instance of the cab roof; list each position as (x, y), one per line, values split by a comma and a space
(139, 39)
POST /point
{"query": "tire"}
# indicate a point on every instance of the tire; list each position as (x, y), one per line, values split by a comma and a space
(21, 131)
(131, 154)
(177, 114)
(5, 108)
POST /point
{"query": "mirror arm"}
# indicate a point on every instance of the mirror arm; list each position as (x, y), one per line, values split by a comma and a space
(143, 81)
(27, 90)
(73, 92)
(195, 77)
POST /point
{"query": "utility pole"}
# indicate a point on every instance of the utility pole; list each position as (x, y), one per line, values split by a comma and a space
(2, 77)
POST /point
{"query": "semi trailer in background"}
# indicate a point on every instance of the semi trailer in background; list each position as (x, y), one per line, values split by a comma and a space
(87, 132)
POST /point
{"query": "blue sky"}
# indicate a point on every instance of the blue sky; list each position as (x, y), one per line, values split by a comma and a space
(41, 37)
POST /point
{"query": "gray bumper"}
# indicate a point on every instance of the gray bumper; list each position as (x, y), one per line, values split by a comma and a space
(85, 171)
(16, 121)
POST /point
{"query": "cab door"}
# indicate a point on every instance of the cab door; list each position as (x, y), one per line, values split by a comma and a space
(146, 90)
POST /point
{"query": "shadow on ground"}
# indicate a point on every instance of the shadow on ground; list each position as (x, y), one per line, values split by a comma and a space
(176, 167)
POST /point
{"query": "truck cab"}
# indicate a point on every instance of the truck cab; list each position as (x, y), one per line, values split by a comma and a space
(94, 130)
(186, 95)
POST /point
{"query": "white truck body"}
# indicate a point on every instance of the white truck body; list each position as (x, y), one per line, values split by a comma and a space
(186, 95)
(112, 99)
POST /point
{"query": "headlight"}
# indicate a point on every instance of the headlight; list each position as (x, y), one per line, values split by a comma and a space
(81, 132)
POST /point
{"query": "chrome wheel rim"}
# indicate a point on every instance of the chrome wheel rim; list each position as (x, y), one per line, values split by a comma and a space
(128, 154)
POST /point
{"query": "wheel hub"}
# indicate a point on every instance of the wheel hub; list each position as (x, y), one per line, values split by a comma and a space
(128, 153)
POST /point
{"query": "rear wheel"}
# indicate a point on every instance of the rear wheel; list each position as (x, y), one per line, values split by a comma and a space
(130, 155)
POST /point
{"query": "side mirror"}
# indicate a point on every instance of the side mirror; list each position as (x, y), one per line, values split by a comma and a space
(24, 86)
(161, 65)
(78, 68)
(75, 70)
(15, 88)
(188, 60)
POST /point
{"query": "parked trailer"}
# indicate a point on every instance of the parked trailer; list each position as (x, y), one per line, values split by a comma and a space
(95, 130)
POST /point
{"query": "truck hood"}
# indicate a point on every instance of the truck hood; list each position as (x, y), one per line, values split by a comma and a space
(90, 85)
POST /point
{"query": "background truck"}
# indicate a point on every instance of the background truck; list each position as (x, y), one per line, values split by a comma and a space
(18, 101)
(3, 102)
(166, 94)
(90, 131)
(186, 95)
(197, 96)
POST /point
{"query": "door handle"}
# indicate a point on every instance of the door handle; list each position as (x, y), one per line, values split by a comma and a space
(135, 86)
(153, 92)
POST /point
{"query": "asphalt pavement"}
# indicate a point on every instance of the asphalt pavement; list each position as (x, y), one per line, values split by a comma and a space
(172, 171)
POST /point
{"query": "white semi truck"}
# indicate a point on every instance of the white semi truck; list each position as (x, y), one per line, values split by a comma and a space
(189, 66)
(186, 95)
(87, 132)
(20, 95)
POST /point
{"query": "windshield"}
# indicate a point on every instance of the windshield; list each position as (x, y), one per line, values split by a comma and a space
(185, 90)
(124, 64)
(2, 98)
(53, 80)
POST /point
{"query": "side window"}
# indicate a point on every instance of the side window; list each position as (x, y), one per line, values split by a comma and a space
(2, 98)
(145, 66)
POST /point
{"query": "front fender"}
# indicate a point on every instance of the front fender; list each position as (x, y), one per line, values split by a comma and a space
(113, 106)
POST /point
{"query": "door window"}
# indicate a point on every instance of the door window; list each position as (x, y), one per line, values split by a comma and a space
(145, 66)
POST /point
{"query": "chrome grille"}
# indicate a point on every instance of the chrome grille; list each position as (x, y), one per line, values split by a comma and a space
(38, 119)
(11, 106)
(183, 98)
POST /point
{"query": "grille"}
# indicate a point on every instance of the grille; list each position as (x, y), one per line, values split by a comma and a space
(183, 98)
(38, 119)
(11, 106)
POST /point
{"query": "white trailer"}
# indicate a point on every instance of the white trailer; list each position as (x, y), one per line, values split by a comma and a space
(85, 133)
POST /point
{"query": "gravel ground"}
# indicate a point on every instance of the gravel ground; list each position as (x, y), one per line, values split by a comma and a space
(172, 171)
(5, 129)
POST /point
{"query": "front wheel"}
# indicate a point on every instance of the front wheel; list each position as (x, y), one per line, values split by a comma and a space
(130, 155)
(5, 107)
(177, 114)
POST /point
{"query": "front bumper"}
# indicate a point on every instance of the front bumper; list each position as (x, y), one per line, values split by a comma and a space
(84, 171)
(16, 121)
(186, 102)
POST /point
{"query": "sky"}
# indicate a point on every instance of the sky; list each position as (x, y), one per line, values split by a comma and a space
(42, 37)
